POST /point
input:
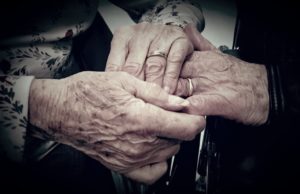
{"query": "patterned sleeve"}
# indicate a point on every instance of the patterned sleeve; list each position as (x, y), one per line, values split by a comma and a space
(35, 47)
(14, 93)
(175, 12)
(169, 12)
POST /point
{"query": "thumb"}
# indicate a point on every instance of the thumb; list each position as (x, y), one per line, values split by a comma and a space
(148, 174)
(154, 94)
(206, 105)
(200, 43)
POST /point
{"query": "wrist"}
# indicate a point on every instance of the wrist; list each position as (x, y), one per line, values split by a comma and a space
(266, 96)
(43, 100)
(257, 96)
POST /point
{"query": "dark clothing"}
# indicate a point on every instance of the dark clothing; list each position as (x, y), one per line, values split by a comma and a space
(265, 159)
(268, 34)
(64, 170)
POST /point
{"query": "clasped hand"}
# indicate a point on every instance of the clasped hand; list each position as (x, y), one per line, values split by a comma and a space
(114, 118)
(221, 84)
(132, 126)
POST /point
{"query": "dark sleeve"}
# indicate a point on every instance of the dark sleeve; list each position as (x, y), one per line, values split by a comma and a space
(269, 36)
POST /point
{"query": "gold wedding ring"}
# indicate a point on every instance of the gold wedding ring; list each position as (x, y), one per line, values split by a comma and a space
(191, 87)
(157, 53)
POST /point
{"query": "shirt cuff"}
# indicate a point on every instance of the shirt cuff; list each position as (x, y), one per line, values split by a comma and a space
(179, 13)
(14, 94)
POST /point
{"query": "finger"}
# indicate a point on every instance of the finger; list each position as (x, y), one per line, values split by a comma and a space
(207, 104)
(119, 50)
(178, 52)
(202, 103)
(157, 121)
(159, 154)
(161, 123)
(200, 85)
(154, 69)
(196, 64)
(154, 94)
(182, 89)
(165, 154)
(143, 151)
(200, 43)
(148, 174)
(135, 159)
(138, 50)
(156, 65)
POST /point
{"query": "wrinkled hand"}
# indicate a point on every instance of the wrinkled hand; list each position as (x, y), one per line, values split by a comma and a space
(225, 85)
(115, 119)
(132, 44)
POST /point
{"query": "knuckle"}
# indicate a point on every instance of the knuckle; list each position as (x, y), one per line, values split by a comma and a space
(171, 75)
(176, 57)
(133, 68)
(155, 64)
(112, 67)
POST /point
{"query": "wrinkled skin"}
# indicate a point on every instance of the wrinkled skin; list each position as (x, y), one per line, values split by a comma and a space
(115, 119)
(224, 85)
(132, 44)
(129, 50)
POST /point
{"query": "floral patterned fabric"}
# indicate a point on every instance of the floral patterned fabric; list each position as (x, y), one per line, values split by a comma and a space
(176, 12)
(41, 48)
(13, 107)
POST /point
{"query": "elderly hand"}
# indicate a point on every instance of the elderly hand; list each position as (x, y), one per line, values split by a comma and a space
(151, 52)
(224, 85)
(115, 119)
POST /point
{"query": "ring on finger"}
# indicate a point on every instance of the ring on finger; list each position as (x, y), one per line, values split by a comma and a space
(157, 53)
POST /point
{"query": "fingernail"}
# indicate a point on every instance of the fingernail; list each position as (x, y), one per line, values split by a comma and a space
(167, 89)
(178, 101)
